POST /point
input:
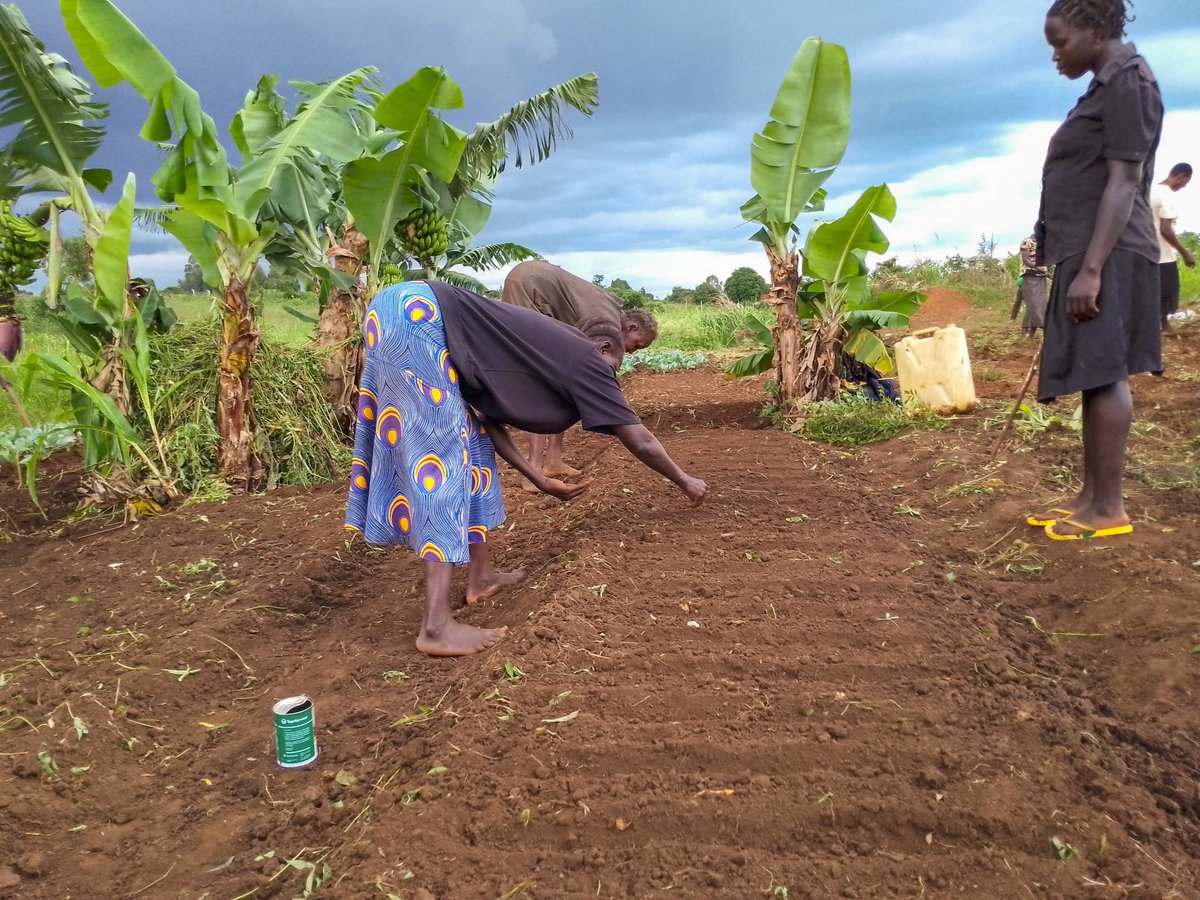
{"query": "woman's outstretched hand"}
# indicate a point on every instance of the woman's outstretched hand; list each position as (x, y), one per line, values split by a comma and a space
(562, 490)
(696, 489)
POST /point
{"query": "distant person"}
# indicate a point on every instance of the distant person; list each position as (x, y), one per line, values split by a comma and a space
(1162, 204)
(1034, 290)
(1096, 227)
(445, 372)
(555, 292)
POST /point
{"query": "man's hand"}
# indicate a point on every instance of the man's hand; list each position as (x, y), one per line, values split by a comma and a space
(1188, 259)
(562, 490)
(1083, 297)
(696, 489)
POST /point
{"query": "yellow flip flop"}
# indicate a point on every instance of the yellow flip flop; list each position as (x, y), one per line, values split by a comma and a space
(1086, 534)
(1056, 513)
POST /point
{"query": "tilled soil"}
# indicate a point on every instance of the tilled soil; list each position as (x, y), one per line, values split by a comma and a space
(850, 673)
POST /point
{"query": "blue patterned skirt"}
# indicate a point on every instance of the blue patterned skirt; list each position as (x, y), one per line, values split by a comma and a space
(424, 473)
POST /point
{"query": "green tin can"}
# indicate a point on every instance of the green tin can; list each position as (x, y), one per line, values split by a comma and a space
(295, 732)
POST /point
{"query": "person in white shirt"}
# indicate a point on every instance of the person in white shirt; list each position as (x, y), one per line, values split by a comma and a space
(1162, 204)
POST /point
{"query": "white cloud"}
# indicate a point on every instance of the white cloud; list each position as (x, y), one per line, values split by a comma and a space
(1174, 58)
(164, 268)
(655, 270)
(945, 209)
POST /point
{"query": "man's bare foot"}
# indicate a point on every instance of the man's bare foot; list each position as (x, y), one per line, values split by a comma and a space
(560, 470)
(492, 583)
(457, 639)
(529, 487)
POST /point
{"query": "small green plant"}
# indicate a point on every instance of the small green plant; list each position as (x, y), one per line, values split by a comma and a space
(1035, 420)
(25, 448)
(199, 567)
(46, 761)
(315, 875)
(183, 673)
(512, 673)
(394, 675)
(853, 419)
(662, 360)
(1063, 850)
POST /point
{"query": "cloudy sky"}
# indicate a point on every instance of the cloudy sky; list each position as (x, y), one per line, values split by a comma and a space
(953, 106)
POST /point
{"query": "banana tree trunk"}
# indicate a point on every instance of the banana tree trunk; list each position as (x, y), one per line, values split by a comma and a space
(818, 362)
(785, 283)
(111, 379)
(339, 326)
(239, 465)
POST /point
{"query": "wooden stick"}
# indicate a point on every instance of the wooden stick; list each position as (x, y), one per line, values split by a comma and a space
(1037, 357)
(8, 389)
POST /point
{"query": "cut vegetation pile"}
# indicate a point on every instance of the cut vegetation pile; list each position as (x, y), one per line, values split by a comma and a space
(298, 439)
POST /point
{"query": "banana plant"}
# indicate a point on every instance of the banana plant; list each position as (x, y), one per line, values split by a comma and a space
(221, 214)
(444, 213)
(842, 312)
(56, 127)
(790, 161)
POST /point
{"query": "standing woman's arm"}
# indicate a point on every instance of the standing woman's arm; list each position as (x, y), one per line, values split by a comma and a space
(1116, 205)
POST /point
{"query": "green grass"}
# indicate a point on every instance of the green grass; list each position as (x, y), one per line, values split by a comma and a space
(47, 404)
(853, 419)
(277, 323)
(1189, 284)
(685, 327)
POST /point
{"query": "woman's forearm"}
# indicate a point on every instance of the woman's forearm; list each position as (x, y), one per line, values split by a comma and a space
(508, 451)
(646, 448)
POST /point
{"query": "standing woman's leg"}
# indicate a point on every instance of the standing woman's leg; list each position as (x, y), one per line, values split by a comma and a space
(484, 579)
(1108, 416)
(537, 456)
(554, 466)
(441, 634)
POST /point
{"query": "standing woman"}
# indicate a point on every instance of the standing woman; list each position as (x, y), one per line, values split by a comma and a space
(1096, 226)
(445, 372)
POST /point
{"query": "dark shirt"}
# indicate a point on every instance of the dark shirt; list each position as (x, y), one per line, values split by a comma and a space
(528, 370)
(1119, 117)
(537, 284)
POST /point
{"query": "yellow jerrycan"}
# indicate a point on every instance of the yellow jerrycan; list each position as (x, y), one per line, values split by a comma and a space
(934, 368)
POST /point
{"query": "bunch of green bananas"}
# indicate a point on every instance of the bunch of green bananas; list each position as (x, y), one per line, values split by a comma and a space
(23, 247)
(390, 274)
(423, 234)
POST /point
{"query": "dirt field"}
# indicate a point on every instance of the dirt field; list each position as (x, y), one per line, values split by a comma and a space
(851, 673)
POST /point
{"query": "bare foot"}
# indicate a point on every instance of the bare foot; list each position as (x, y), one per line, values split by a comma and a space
(529, 487)
(492, 583)
(457, 639)
(1087, 520)
(560, 470)
(1055, 513)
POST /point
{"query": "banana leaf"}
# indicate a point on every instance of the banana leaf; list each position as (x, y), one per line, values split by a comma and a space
(51, 108)
(836, 251)
(807, 134)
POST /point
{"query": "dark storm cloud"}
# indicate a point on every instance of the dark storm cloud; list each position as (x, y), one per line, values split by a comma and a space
(664, 162)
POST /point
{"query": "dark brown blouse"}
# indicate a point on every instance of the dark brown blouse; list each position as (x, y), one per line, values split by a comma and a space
(1119, 117)
(528, 370)
(537, 284)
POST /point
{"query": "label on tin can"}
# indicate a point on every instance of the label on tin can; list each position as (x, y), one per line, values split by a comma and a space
(295, 732)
